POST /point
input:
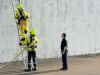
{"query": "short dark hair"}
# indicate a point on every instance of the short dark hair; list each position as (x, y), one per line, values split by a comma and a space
(64, 34)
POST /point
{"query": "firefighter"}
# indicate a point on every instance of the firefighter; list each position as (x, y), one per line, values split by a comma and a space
(64, 52)
(31, 50)
(23, 21)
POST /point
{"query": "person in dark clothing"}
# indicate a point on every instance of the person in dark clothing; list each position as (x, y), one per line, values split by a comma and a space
(64, 52)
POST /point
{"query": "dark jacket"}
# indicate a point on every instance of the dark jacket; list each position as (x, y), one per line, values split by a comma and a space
(63, 44)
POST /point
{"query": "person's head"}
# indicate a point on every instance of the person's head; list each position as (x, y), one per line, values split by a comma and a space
(20, 7)
(63, 35)
(33, 33)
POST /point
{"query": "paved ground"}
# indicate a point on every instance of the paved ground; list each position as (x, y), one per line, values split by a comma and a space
(77, 66)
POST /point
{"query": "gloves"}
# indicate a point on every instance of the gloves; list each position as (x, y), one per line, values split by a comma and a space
(20, 44)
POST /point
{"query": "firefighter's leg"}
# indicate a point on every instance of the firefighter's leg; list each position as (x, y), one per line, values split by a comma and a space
(29, 59)
(29, 62)
(34, 61)
(22, 30)
(26, 28)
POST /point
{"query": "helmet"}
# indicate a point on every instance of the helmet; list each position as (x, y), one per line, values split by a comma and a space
(32, 32)
(19, 6)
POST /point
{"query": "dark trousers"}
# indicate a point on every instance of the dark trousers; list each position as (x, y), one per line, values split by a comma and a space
(64, 60)
(32, 54)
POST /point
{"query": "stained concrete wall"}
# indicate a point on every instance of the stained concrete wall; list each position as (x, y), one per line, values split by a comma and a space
(79, 19)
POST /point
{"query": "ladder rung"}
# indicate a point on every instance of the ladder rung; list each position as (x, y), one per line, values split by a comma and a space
(15, 5)
(15, 11)
(15, 8)
(16, 0)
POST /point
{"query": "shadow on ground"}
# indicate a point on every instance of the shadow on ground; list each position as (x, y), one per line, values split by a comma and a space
(29, 73)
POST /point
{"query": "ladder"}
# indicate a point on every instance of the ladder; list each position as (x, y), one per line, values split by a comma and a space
(14, 5)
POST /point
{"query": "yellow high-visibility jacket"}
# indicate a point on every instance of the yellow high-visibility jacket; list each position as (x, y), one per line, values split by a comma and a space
(28, 42)
(18, 16)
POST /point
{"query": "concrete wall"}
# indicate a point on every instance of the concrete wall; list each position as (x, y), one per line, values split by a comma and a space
(79, 19)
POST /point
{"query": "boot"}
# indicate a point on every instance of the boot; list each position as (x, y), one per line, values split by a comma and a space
(34, 69)
(27, 70)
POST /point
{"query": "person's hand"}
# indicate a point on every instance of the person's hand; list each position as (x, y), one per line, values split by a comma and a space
(20, 44)
(63, 52)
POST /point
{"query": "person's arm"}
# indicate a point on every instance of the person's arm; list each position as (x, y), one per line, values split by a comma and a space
(28, 15)
(37, 40)
(24, 42)
(65, 47)
(16, 15)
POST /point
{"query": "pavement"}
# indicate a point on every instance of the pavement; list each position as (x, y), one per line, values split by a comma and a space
(77, 66)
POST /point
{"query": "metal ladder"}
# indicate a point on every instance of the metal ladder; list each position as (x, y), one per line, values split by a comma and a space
(14, 5)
